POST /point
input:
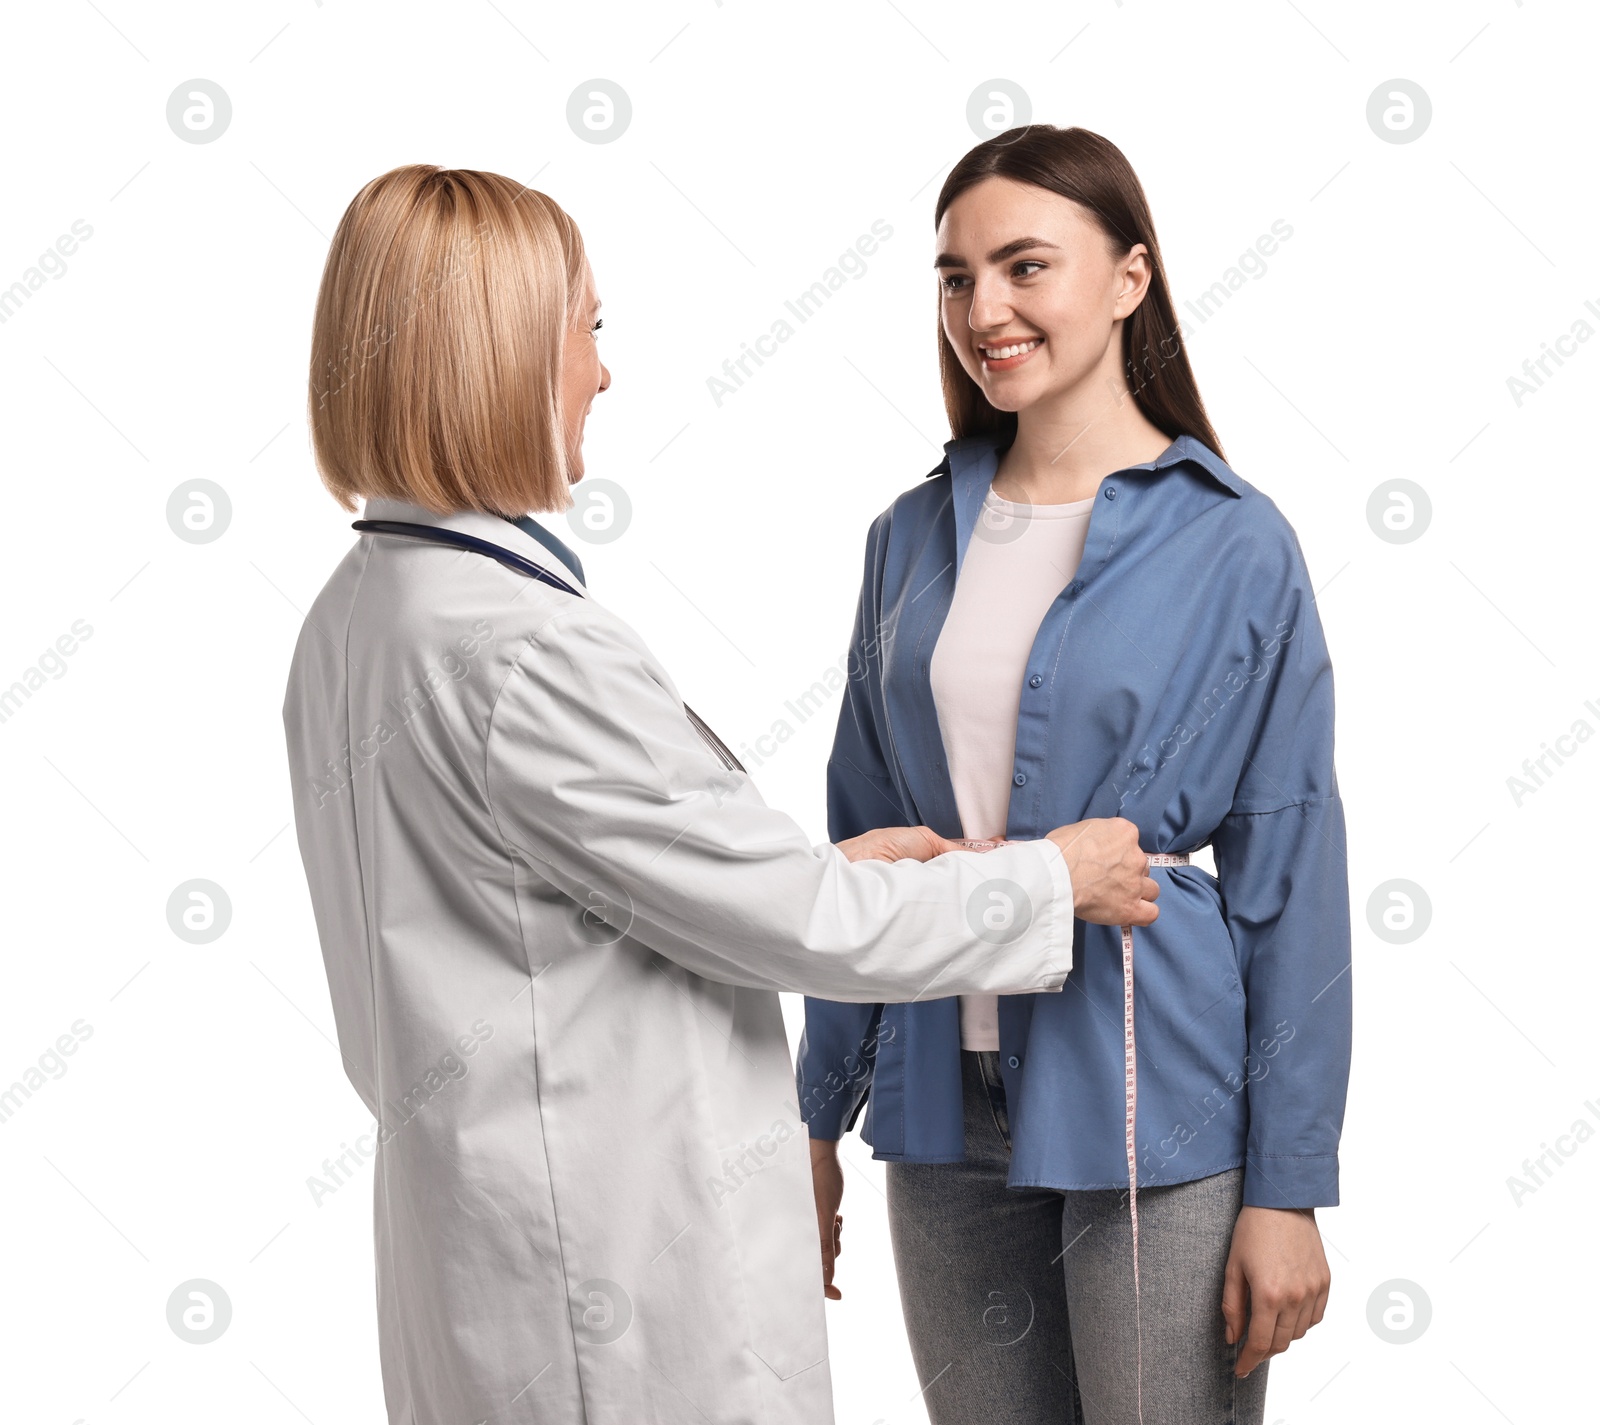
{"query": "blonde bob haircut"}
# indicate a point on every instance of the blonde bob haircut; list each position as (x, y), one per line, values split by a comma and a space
(437, 343)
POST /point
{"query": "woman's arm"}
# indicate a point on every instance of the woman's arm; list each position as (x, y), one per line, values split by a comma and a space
(839, 1044)
(1282, 866)
(1281, 862)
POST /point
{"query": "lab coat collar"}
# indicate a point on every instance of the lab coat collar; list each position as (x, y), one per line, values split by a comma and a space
(492, 528)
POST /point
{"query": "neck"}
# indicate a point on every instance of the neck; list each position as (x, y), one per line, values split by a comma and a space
(1065, 446)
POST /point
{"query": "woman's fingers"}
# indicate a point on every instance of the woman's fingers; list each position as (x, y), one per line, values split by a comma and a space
(1306, 1319)
(1233, 1299)
(1258, 1341)
(1276, 1266)
(1279, 1316)
(1320, 1306)
(1316, 1303)
(830, 1253)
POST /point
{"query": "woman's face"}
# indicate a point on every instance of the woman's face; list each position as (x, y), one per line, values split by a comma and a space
(1022, 267)
(583, 375)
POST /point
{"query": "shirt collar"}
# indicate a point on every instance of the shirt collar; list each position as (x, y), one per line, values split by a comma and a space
(961, 454)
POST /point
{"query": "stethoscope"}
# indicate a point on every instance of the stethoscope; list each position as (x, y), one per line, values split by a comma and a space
(433, 534)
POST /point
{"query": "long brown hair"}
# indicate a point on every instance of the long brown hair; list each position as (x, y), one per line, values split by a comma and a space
(1093, 172)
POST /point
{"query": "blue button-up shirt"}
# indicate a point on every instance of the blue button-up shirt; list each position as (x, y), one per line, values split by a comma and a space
(1179, 680)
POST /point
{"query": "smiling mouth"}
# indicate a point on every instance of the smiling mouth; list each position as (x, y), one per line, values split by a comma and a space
(1007, 356)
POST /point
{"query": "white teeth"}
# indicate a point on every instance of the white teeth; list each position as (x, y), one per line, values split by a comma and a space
(1003, 352)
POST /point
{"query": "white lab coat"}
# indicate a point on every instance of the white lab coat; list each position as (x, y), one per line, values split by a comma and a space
(554, 928)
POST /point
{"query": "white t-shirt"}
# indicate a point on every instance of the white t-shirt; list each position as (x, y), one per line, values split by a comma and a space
(1019, 559)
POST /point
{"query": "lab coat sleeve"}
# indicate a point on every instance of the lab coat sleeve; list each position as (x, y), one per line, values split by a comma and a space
(1280, 856)
(838, 1047)
(599, 783)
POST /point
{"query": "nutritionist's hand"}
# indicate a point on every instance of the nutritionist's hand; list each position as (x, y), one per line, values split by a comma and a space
(897, 843)
(1111, 881)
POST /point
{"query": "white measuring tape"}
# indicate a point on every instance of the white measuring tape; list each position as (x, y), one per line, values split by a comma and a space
(1130, 1100)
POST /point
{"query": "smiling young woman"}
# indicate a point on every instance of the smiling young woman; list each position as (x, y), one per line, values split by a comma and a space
(1081, 579)
(1054, 302)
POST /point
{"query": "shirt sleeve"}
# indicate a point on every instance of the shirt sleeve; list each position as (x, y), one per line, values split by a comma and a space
(597, 780)
(1281, 863)
(838, 1047)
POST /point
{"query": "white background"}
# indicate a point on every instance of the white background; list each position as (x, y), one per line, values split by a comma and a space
(764, 140)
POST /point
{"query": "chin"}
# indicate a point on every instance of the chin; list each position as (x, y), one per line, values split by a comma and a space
(1011, 400)
(1004, 395)
(1015, 396)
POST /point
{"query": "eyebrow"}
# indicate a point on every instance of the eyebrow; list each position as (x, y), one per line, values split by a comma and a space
(1000, 254)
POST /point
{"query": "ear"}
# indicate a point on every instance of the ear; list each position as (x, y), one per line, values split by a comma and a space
(1133, 280)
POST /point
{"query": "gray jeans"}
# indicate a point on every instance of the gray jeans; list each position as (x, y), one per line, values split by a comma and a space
(1019, 1302)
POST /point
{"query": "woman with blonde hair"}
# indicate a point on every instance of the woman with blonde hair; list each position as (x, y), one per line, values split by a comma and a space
(1084, 611)
(554, 911)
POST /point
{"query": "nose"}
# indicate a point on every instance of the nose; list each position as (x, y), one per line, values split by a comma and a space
(989, 310)
(605, 379)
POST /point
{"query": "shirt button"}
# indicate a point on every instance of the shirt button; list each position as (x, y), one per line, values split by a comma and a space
(1034, 681)
(1111, 492)
(1020, 779)
(1015, 1062)
(1074, 586)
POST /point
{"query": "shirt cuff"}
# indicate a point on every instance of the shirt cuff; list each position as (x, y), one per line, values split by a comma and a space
(1308, 1181)
(823, 1109)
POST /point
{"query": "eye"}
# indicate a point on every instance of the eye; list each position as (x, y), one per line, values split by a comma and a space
(599, 322)
(1016, 270)
(950, 283)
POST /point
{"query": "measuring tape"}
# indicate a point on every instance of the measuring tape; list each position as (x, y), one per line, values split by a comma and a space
(1130, 1099)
